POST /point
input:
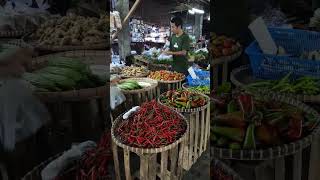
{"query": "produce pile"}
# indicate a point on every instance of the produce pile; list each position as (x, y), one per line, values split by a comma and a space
(201, 89)
(247, 123)
(164, 75)
(94, 163)
(304, 85)
(223, 46)
(63, 74)
(132, 85)
(199, 56)
(152, 126)
(72, 30)
(183, 99)
(133, 71)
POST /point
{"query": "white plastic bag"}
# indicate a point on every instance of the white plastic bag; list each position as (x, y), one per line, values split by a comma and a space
(21, 114)
(116, 97)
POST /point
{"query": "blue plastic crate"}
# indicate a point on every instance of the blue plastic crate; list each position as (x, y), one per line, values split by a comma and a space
(204, 78)
(294, 42)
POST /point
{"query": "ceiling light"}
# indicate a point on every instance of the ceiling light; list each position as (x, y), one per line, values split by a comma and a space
(191, 11)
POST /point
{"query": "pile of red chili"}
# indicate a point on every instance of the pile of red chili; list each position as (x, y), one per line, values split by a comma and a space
(152, 126)
(94, 163)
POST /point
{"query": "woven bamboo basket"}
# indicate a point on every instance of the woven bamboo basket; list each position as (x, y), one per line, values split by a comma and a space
(199, 132)
(186, 87)
(242, 76)
(139, 96)
(90, 58)
(277, 151)
(103, 45)
(170, 85)
(150, 168)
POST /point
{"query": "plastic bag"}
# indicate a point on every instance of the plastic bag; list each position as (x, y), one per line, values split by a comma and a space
(116, 97)
(21, 114)
(203, 78)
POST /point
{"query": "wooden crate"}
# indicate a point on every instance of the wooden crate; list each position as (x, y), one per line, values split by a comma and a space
(137, 97)
(199, 132)
(163, 163)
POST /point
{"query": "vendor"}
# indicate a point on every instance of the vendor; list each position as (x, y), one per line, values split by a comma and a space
(179, 46)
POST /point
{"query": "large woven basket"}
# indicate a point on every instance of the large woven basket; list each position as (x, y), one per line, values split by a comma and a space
(144, 150)
(277, 151)
(243, 76)
(89, 57)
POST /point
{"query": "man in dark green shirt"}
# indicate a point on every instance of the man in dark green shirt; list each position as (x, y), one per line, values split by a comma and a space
(179, 46)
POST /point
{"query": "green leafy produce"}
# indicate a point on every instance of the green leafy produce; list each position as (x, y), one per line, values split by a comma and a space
(224, 88)
(40, 82)
(129, 85)
(202, 89)
(70, 63)
(63, 74)
(69, 73)
(303, 85)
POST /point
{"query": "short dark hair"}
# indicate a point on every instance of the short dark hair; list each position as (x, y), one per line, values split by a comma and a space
(177, 21)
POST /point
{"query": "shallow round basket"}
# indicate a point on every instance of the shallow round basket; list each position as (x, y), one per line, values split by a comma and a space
(186, 87)
(191, 109)
(90, 58)
(225, 59)
(149, 150)
(103, 45)
(243, 76)
(226, 169)
(276, 151)
(153, 83)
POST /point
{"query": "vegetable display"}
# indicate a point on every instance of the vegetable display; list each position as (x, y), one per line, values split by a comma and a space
(152, 126)
(129, 85)
(304, 85)
(164, 75)
(201, 89)
(133, 71)
(94, 163)
(72, 30)
(183, 99)
(133, 85)
(247, 123)
(63, 74)
(223, 46)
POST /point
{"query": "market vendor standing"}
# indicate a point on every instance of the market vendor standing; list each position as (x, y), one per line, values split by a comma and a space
(179, 46)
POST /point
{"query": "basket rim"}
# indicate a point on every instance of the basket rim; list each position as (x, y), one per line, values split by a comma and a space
(14, 33)
(198, 109)
(301, 97)
(154, 84)
(276, 151)
(148, 150)
(100, 91)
